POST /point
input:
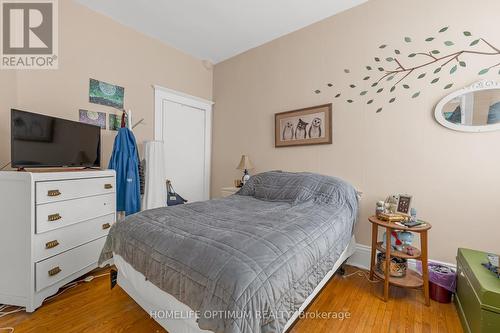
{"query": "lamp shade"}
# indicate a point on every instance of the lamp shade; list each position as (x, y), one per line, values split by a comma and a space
(245, 163)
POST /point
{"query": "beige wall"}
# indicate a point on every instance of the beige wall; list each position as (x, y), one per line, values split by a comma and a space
(400, 150)
(94, 46)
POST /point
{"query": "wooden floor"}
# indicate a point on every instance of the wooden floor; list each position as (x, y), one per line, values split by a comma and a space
(93, 307)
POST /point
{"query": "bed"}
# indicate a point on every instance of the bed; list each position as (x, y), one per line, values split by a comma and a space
(247, 263)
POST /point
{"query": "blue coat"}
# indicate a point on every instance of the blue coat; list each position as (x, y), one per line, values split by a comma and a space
(125, 161)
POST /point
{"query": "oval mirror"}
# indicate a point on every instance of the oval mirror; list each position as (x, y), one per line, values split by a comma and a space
(472, 109)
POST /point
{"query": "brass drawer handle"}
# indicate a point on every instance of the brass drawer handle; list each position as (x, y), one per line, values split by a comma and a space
(51, 244)
(54, 217)
(106, 226)
(54, 271)
(53, 193)
(108, 186)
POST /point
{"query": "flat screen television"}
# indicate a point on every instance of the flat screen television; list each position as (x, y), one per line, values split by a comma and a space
(42, 141)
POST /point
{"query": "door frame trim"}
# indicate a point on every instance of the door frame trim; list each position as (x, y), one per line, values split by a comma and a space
(162, 94)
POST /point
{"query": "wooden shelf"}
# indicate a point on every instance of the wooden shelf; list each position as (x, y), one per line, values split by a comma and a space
(394, 226)
(411, 280)
(400, 254)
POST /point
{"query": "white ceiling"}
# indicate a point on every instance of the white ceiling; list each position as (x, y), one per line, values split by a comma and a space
(216, 30)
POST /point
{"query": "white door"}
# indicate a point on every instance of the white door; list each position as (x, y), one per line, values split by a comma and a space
(184, 136)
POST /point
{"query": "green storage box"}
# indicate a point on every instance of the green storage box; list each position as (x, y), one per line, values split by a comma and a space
(478, 293)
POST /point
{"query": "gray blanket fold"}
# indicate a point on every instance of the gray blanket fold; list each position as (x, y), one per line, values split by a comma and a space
(257, 254)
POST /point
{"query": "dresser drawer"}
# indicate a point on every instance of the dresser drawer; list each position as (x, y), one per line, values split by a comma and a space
(60, 214)
(469, 304)
(54, 269)
(56, 241)
(53, 191)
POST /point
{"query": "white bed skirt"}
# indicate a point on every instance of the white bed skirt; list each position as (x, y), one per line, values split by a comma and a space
(156, 301)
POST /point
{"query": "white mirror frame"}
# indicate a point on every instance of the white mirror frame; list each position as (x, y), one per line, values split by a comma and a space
(478, 86)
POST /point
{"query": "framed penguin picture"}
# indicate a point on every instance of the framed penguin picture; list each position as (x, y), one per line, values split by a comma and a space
(309, 126)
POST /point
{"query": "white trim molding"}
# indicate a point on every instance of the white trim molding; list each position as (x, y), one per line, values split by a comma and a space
(165, 94)
(361, 259)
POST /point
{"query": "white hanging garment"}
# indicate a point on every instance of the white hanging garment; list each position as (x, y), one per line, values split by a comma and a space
(155, 193)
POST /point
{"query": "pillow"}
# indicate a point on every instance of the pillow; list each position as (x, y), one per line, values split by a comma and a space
(297, 187)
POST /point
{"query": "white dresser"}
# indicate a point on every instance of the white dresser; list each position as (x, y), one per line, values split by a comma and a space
(53, 226)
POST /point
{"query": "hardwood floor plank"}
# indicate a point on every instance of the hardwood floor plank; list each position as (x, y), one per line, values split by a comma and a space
(93, 307)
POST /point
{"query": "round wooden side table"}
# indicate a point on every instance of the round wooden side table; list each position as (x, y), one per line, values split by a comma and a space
(412, 279)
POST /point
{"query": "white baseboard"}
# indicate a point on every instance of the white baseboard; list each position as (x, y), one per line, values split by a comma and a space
(361, 259)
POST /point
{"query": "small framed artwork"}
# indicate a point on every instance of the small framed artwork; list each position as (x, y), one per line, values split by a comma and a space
(404, 204)
(309, 126)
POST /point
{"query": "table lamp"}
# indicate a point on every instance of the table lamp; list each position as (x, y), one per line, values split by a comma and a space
(245, 165)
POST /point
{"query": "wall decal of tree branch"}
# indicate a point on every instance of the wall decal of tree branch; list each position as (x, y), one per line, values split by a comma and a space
(394, 70)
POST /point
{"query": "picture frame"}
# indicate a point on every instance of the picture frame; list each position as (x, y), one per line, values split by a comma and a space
(404, 204)
(307, 126)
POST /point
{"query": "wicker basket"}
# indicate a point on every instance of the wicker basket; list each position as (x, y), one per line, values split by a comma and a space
(398, 266)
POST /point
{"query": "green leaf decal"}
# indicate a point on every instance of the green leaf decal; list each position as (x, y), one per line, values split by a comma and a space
(435, 51)
(474, 42)
(421, 76)
(415, 95)
(411, 55)
(462, 63)
(430, 39)
(393, 88)
(448, 86)
(406, 86)
(443, 29)
(435, 80)
(337, 96)
(374, 84)
(317, 91)
(389, 59)
(366, 78)
(380, 90)
(378, 110)
(437, 70)
(397, 51)
(347, 71)
(407, 39)
(383, 46)
(377, 59)
(381, 69)
(389, 78)
(392, 100)
(363, 93)
(369, 68)
(483, 71)
(350, 101)
(330, 85)
(352, 86)
(370, 101)
(449, 43)
(453, 69)
(467, 34)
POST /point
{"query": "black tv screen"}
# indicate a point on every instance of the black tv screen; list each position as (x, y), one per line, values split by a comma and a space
(42, 141)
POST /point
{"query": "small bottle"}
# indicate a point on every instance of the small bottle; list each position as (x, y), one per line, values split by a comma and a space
(413, 214)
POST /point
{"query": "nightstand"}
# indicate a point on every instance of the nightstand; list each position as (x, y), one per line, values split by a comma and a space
(412, 279)
(227, 191)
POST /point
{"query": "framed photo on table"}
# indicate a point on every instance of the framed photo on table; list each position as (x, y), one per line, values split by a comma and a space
(309, 126)
(404, 204)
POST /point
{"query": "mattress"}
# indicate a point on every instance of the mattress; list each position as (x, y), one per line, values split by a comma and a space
(177, 317)
(245, 263)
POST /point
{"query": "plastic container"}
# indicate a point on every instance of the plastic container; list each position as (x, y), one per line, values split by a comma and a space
(442, 281)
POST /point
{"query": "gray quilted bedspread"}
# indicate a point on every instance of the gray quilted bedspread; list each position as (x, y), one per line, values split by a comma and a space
(247, 262)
